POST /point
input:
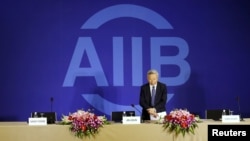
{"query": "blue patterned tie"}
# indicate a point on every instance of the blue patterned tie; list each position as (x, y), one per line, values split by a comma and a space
(153, 96)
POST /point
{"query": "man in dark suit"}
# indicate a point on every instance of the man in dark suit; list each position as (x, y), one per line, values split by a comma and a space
(150, 107)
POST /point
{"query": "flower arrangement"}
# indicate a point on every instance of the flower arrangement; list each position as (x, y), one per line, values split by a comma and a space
(180, 121)
(84, 123)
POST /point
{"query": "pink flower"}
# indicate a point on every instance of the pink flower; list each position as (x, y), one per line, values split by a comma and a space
(84, 123)
(181, 121)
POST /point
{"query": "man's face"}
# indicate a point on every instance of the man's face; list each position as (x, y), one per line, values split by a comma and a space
(152, 79)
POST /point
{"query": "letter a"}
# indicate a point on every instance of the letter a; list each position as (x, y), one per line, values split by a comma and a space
(74, 70)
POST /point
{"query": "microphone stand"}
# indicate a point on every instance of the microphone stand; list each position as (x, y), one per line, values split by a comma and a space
(238, 102)
(51, 103)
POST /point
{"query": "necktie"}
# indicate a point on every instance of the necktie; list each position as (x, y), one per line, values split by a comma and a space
(153, 96)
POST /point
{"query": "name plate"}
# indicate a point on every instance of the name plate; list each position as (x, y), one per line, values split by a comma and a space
(38, 121)
(131, 120)
(230, 118)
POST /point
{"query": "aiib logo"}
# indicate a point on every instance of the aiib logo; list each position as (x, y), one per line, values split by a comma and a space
(86, 44)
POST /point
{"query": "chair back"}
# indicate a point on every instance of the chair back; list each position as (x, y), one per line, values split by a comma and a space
(215, 114)
(116, 116)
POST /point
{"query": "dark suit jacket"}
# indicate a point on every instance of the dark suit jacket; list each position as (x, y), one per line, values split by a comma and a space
(160, 99)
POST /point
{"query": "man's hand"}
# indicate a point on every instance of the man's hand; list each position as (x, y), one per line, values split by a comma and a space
(152, 111)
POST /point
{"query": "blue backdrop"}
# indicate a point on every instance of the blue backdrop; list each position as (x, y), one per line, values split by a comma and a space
(88, 54)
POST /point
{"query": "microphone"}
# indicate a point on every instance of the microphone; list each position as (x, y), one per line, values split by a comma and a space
(51, 103)
(238, 102)
(136, 108)
(137, 111)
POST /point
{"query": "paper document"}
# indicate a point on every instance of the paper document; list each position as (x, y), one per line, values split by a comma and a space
(160, 115)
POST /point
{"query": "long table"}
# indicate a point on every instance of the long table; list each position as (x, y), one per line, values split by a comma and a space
(21, 131)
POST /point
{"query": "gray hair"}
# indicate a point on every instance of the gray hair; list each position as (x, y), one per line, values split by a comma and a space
(153, 71)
